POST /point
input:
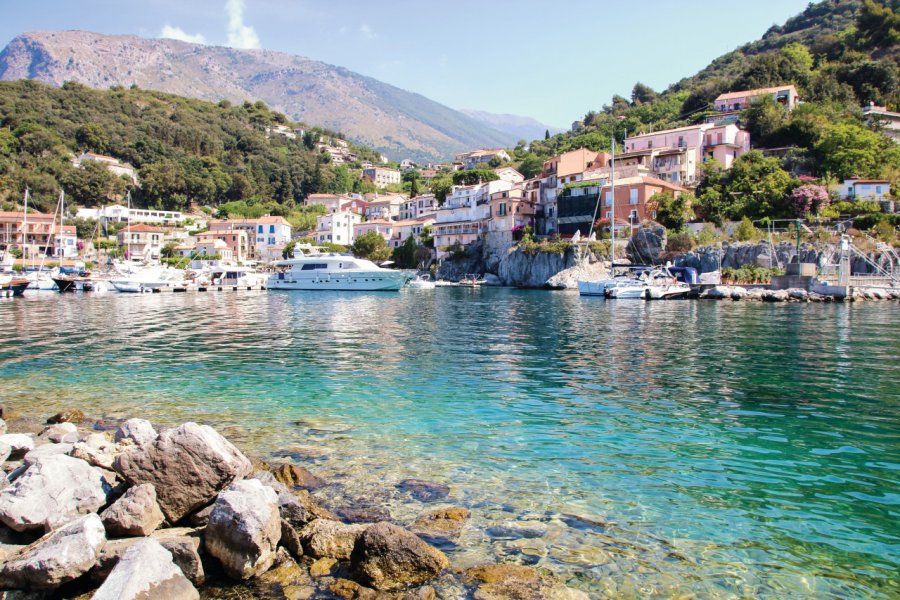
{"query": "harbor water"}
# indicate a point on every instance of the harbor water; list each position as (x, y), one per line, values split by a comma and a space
(636, 449)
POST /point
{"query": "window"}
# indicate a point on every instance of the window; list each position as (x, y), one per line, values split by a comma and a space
(607, 198)
(633, 217)
(633, 196)
(259, 229)
(271, 229)
(609, 214)
(878, 189)
(313, 266)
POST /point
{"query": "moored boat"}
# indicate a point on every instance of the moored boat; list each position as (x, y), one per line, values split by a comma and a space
(335, 272)
(14, 286)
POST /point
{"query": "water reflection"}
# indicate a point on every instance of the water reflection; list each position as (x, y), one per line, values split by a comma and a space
(720, 449)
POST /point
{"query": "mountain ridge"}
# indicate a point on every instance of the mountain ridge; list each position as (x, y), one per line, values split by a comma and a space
(523, 127)
(394, 121)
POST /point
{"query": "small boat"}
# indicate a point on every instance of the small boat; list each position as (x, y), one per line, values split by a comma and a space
(470, 281)
(12, 286)
(420, 283)
(332, 271)
(651, 284)
(232, 276)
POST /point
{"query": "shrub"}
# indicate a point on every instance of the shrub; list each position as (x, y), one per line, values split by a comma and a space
(884, 231)
(680, 242)
(745, 231)
(707, 236)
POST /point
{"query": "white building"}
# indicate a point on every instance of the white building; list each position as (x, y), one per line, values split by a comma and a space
(337, 227)
(465, 215)
(117, 213)
(113, 165)
(382, 176)
(410, 228)
(425, 204)
(865, 189)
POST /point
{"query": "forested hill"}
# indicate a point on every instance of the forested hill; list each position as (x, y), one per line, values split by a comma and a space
(184, 150)
(841, 55)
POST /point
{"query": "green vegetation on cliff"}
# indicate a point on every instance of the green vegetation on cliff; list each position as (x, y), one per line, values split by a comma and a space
(183, 150)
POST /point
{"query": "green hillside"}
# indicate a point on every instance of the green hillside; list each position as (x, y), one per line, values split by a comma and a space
(184, 150)
(841, 55)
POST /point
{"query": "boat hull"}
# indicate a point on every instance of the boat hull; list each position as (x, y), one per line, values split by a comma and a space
(386, 281)
(16, 287)
(64, 284)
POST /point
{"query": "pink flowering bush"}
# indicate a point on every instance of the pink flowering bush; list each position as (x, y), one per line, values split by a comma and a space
(809, 198)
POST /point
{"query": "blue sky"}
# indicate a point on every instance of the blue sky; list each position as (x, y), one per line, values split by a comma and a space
(553, 61)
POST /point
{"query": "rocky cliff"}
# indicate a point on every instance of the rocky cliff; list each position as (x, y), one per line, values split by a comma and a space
(737, 254)
(399, 123)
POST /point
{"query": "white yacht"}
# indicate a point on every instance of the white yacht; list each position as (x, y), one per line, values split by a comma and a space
(335, 272)
(148, 279)
(652, 284)
(232, 276)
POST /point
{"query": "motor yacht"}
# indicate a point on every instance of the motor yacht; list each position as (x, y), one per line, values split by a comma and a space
(335, 272)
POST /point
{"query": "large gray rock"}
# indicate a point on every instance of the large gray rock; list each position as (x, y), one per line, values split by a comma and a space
(139, 431)
(45, 450)
(188, 466)
(390, 558)
(244, 529)
(647, 244)
(333, 539)
(56, 558)
(52, 491)
(61, 432)
(184, 544)
(135, 513)
(146, 571)
(19, 443)
(96, 449)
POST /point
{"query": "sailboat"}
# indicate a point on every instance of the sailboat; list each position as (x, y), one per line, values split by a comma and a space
(37, 277)
(600, 287)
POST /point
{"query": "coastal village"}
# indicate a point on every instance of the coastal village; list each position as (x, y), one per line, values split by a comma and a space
(571, 197)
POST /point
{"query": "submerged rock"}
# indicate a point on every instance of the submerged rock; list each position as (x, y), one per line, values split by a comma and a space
(441, 525)
(389, 558)
(135, 513)
(51, 492)
(296, 476)
(188, 466)
(146, 571)
(139, 431)
(57, 558)
(72, 415)
(425, 491)
(244, 529)
(506, 581)
(327, 538)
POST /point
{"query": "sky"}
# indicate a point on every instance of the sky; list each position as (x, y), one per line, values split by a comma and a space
(553, 61)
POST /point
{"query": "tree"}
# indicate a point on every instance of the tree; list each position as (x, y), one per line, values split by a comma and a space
(92, 136)
(546, 134)
(531, 166)
(671, 211)
(168, 251)
(848, 150)
(766, 120)
(878, 24)
(288, 250)
(474, 176)
(405, 254)
(371, 246)
(745, 231)
(642, 94)
(757, 187)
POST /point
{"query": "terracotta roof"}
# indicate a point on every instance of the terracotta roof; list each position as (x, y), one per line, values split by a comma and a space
(5, 214)
(142, 228)
(756, 92)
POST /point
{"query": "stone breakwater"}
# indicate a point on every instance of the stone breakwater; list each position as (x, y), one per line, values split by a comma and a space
(736, 292)
(183, 513)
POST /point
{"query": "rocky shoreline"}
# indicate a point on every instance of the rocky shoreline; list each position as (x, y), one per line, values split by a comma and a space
(183, 513)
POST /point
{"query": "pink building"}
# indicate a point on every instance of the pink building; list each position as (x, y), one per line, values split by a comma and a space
(738, 101)
(379, 226)
(675, 155)
(235, 239)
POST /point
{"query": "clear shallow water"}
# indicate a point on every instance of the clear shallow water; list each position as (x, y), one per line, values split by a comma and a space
(647, 449)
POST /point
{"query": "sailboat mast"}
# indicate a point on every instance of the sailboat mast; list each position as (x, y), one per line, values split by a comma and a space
(25, 228)
(612, 220)
(128, 225)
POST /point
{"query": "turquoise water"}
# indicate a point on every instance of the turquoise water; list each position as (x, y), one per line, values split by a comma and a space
(637, 449)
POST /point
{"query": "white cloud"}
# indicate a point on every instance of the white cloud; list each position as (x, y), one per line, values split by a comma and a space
(177, 33)
(367, 31)
(239, 34)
